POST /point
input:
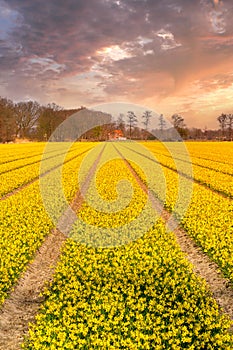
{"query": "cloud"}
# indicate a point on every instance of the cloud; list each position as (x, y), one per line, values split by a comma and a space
(87, 51)
(217, 21)
(168, 40)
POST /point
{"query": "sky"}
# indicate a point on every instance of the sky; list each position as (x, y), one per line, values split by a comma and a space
(171, 56)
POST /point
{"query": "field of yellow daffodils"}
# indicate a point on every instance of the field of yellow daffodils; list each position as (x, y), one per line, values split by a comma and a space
(24, 220)
(122, 281)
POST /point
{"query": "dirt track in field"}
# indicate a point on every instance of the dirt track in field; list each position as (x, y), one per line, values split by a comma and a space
(24, 301)
(21, 187)
(219, 286)
(199, 182)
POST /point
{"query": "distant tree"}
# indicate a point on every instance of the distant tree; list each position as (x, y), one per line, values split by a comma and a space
(178, 121)
(230, 125)
(222, 119)
(162, 122)
(26, 116)
(196, 133)
(132, 121)
(97, 131)
(146, 121)
(120, 123)
(146, 118)
(49, 119)
(205, 132)
(7, 120)
(179, 125)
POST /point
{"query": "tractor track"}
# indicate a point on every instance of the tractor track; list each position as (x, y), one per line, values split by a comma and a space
(31, 155)
(34, 162)
(219, 286)
(199, 182)
(20, 188)
(194, 163)
(25, 299)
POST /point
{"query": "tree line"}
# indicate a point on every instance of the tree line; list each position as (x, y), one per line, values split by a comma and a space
(30, 120)
(226, 126)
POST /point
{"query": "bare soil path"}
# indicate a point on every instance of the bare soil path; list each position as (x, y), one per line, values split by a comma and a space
(25, 300)
(199, 182)
(21, 187)
(220, 287)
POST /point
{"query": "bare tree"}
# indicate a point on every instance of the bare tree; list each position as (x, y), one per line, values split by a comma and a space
(179, 125)
(230, 125)
(132, 120)
(146, 121)
(222, 119)
(7, 120)
(120, 123)
(178, 121)
(50, 118)
(26, 116)
(162, 122)
(97, 131)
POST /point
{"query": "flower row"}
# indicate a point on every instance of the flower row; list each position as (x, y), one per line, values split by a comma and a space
(25, 221)
(139, 295)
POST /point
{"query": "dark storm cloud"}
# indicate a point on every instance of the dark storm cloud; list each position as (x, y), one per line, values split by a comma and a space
(71, 31)
(168, 42)
(200, 48)
(75, 29)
